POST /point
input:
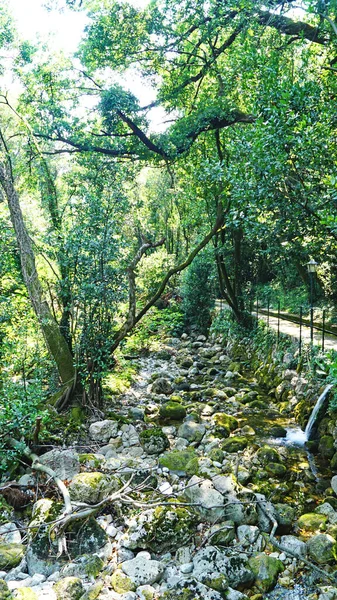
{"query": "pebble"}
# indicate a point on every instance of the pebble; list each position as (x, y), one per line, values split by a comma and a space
(186, 568)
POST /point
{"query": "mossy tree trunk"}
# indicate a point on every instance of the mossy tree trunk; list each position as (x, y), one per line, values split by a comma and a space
(54, 339)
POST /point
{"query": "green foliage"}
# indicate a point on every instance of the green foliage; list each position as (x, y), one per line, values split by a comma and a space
(198, 292)
(156, 325)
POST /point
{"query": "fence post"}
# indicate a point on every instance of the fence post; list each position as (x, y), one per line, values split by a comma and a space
(278, 319)
(323, 332)
(268, 307)
(311, 325)
(300, 340)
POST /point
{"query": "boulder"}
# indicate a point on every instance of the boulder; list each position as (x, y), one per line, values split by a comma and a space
(312, 522)
(10, 534)
(142, 570)
(210, 501)
(322, 548)
(92, 487)
(65, 463)
(172, 411)
(224, 423)
(234, 444)
(191, 589)
(162, 386)
(154, 440)
(102, 431)
(162, 529)
(266, 570)
(292, 543)
(267, 455)
(206, 569)
(69, 588)
(177, 460)
(121, 583)
(192, 431)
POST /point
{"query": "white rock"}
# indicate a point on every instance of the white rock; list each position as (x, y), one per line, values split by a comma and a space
(111, 531)
(187, 568)
(142, 571)
(65, 463)
(102, 431)
(145, 592)
(165, 488)
(290, 542)
(10, 533)
(202, 492)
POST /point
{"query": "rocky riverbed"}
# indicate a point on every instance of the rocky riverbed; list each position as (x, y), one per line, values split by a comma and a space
(192, 492)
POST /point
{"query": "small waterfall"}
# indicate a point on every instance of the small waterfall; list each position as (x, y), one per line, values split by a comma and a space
(315, 412)
(295, 435)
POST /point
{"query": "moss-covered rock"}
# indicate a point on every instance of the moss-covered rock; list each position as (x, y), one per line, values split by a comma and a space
(322, 548)
(87, 566)
(25, 593)
(5, 593)
(92, 487)
(169, 528)
(285, 516)
(266, 570)
(121, 583)
(11, 555)
(224, 423)
(85, 538)
(216, 454)
(267, 455)
(69, 588)
(93, 591)
(277, 431)
(91, 461)
(172, 411)
(222, 534)
(234, 444)
(154, 440)
(177, 460)
(326, 446)
(276, 469)
(312, 522)
(333, 462)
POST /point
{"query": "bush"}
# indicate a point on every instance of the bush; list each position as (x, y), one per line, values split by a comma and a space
(198, 292)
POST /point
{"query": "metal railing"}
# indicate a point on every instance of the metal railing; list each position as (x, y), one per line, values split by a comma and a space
(257, 311)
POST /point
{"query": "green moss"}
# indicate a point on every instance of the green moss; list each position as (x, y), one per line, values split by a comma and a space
(154, 440)
(11, 555)
(69, 588)
(177, 460)
(175, 398)
(216, 455)
(5, 593)
(90, 460)
(267, 455)
(172, 411)
(326, 446)
(276, 469)
(192, 467)
(224, 423)
(26, 593)
(312, 522)
(93, 592)
(170, 528)
(121, 583)
(266, 570)
(234, 444)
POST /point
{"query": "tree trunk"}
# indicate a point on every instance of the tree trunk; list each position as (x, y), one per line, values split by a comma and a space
(55, 341)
